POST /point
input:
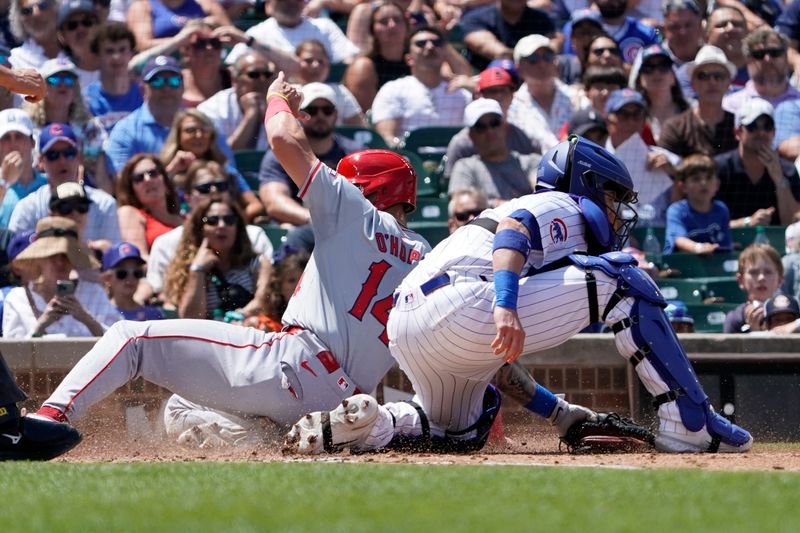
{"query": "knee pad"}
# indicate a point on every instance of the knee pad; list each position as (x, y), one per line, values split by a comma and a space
(657, 341)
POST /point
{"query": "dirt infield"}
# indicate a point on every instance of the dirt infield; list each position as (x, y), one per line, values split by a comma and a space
(534, 449)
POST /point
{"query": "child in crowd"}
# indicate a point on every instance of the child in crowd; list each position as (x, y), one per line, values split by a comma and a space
(781, 314)
(698, 224)
(791, 261)
(679, 317)
(760, 275)
(123, 269)
(286, 275)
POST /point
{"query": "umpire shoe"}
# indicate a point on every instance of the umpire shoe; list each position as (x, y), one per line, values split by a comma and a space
(347, 426)
(35, 438)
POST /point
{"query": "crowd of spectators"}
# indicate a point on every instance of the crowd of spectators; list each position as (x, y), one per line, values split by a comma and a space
(120, 194)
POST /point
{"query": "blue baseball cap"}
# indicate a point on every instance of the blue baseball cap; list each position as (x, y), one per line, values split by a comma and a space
(582, 15)
(68, 7)
(122, 251)
(677, 311)
(19, 242)
(160, 64)
(52, 133)
(622, 97)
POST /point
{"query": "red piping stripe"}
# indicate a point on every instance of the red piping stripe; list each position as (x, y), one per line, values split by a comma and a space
(309, 179)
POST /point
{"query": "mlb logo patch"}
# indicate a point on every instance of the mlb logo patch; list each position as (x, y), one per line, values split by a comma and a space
(343, 384)
(408, 298)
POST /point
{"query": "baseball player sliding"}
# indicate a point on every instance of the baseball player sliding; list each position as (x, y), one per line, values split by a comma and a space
(335, 342)
(524, 277)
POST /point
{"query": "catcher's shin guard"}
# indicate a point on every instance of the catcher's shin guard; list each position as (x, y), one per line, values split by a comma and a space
(647, 338)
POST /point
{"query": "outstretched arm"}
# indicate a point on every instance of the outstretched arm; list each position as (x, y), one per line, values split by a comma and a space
(23, 81)
(286, 136)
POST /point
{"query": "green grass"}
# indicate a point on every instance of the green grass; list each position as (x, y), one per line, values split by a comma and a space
(328, 497)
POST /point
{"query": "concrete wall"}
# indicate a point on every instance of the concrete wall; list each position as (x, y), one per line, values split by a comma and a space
(757, 377)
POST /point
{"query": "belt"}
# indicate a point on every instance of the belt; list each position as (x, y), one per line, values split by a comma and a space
(431, 285)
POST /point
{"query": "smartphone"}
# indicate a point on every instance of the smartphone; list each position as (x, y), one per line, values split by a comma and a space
(65, 287)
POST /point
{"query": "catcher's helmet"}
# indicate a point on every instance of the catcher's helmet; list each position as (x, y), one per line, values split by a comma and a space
(580, 167)
(385, 174)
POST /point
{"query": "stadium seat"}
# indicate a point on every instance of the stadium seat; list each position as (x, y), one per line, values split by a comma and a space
(697, 290)
(743, 237)
(276, 234)
(430, 210)
(434, 232)
(639, 232)
(429, 143)
(709, 318)
(426, 186)
(249, 162)
(366, 136)
(700, 266)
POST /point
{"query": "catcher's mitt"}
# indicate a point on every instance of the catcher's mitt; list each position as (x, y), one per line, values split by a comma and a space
(609, 433)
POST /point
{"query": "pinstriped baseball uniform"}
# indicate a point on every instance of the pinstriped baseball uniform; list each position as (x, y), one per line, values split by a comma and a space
(442, 340)
(340, 309)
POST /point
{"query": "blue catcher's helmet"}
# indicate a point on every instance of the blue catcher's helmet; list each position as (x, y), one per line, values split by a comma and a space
(582, 168)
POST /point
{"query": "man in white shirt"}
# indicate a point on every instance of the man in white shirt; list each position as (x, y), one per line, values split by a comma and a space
(61, 159)
(288, 27)
(543, 104)
(423, 98)
(238, 112)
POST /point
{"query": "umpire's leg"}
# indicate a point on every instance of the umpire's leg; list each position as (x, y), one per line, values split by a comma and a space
(28, 438)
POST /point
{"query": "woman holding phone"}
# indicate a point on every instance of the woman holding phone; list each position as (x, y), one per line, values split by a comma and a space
(55, 302)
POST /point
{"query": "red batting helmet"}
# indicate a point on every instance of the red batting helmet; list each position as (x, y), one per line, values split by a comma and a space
(386, 174)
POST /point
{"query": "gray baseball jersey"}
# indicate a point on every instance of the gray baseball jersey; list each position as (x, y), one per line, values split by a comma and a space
(360, 256)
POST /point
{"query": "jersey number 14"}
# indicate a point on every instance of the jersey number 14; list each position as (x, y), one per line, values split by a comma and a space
(369, 290)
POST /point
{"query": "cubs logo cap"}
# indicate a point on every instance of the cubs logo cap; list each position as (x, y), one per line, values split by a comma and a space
(622, 97)
(119, 253)
(781, 304)
(52, 133)
(160, 64)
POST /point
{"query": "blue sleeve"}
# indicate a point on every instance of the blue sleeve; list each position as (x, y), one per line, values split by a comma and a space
(787, 122)
(271, 170)
(567, 31)
(223, 145)
(788, 22)
(676, 226)
(118, 148)
(241, 183)
(725, 221)
(477, 19)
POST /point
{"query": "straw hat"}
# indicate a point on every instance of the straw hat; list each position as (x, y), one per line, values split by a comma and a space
(57, 235)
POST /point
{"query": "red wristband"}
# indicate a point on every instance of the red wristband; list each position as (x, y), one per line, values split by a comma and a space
(276, 105)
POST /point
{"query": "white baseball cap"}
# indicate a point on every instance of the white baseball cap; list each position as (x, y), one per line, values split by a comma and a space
(529, 44)
(14, 119)
(477, 108)
(312, 91)
(59, 64)
(710, 55)
(751, 110)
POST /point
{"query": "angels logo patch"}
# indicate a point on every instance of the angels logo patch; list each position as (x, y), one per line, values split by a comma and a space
(343, 384)
(558, 230)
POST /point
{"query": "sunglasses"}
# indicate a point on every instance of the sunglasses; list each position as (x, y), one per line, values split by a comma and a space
(437, 42)
(102, 3)
(67, 80)
(122, 273)
(28, 10)
(327, 110)
(55, 155)
(161, 81)
(219, 186)
(771, 52)
(630, 115)
(149, 174)
(66, 208)
(255, 74)
(715, 75)
(764, 125)
(649, 68)
(545, 56)
(466, 215)
(214, 220)
(86, 22)
(491, 124)
(384, 21)
(202, 44)
(613, 50)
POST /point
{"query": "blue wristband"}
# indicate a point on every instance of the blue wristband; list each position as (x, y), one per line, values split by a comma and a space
(512, 240)
(543, 402)
(506, 288)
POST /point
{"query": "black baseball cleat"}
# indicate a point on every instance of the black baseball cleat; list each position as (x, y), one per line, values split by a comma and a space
(36, 438)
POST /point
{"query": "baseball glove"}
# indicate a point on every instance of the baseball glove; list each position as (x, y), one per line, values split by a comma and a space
(608, 433)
